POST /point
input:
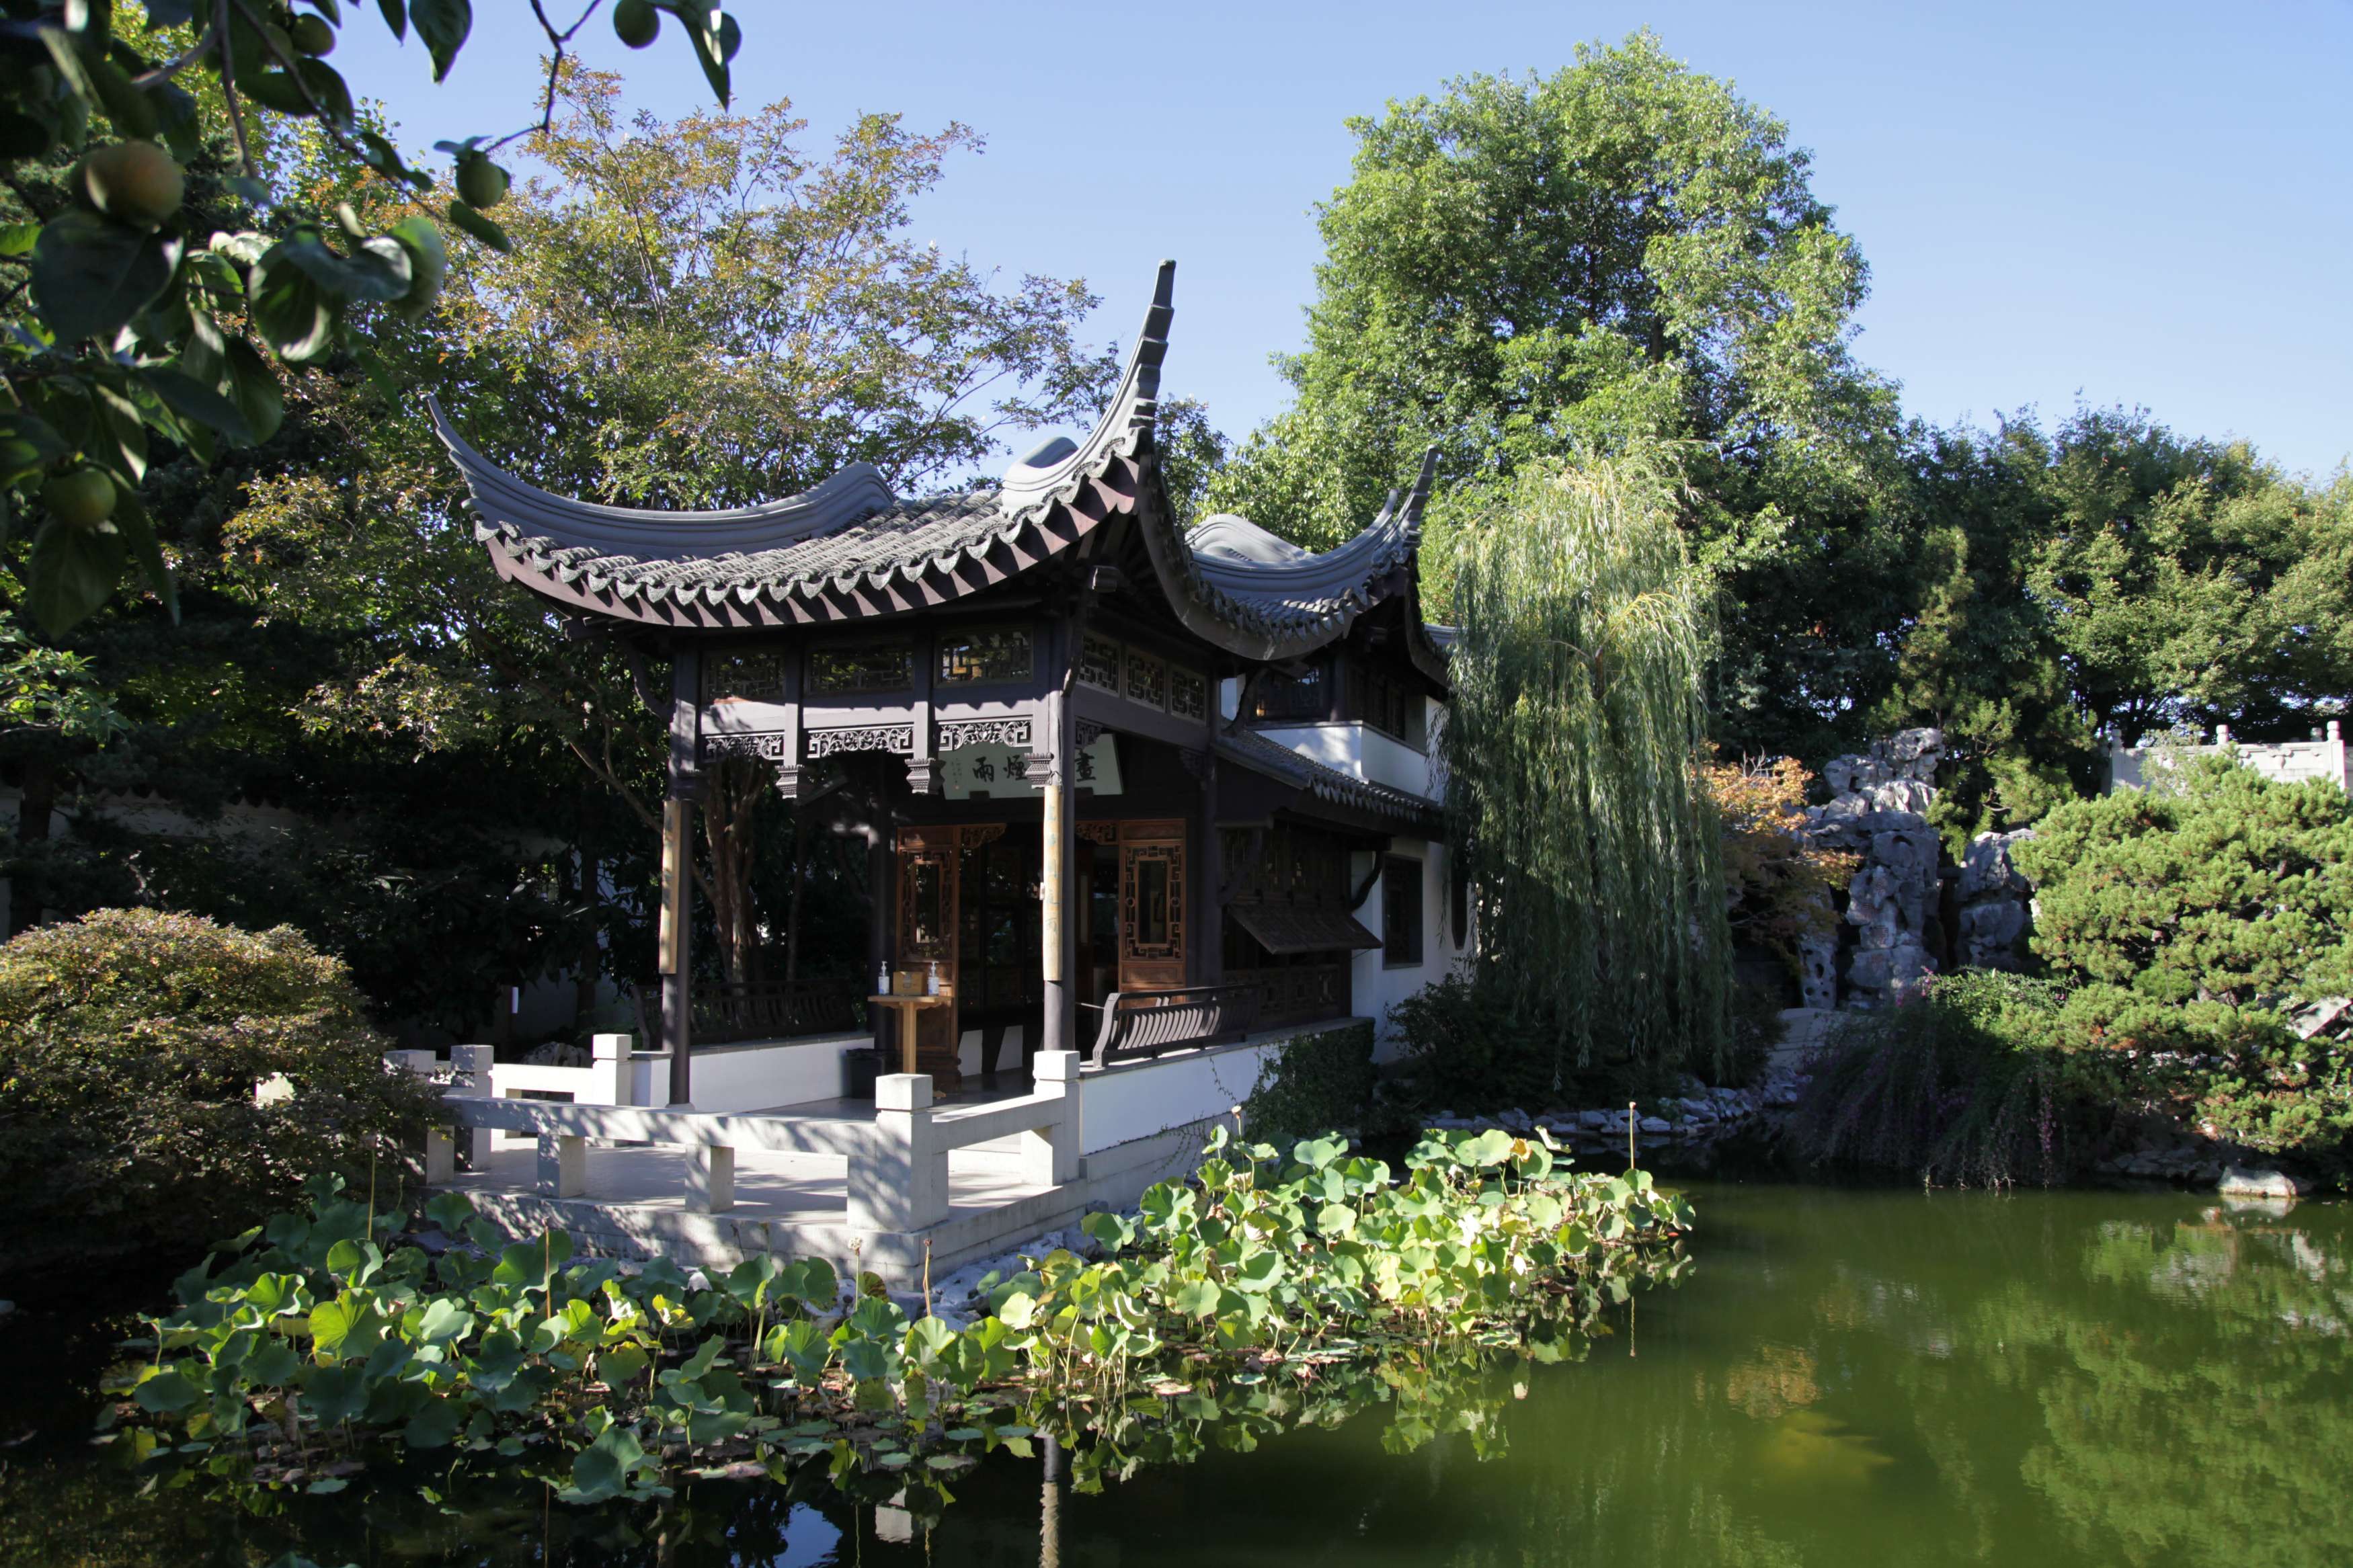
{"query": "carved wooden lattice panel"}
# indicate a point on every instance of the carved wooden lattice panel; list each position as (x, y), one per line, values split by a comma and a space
(996, 654)
(756, 676)
(1152, 899)
(862, 666)
(1099, 663)
(1147, 679)
(1188, 694)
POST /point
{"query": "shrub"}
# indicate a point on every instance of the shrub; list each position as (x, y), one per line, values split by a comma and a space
(2224, 889)
(1467, 1047)
(1958, 1086)
(1316, 1082)
(2192, 922)
(130, 1046)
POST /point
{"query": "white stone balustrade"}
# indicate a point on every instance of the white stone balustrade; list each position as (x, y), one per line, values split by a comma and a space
(897, 1163)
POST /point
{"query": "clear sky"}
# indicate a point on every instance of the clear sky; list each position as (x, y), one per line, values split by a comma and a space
(2148, 203)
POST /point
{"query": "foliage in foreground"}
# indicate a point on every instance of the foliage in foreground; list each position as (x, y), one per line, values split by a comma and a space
(137, 311)
(130, 1046)
(325, 1334)
(1572, 793)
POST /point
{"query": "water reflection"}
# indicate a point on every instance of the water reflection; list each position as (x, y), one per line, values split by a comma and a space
(1849, 1377)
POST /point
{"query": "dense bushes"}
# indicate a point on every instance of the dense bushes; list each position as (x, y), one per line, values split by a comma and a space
(130, 1046)
(1950, 1087)
(2199, 941)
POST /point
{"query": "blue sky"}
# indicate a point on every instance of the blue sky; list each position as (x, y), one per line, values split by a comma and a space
(2148, 204)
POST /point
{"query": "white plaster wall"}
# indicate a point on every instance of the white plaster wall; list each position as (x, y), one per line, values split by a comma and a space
(1373, 985)
(1361, 753)
(1121, 1104)
(756, 1077)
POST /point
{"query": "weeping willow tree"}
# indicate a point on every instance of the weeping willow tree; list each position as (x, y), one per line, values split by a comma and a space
(1572, 752)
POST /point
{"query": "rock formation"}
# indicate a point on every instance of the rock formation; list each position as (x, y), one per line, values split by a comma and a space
(1877, 809)
(1995, 903)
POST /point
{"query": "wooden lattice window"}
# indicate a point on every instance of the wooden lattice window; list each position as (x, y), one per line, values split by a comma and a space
(1147, 679)
(1188, 694)
(1401, 878)
(1004, 654)
(862, 666)
(1099, 664)
(745, 677)
(1301, 698)
(1152, 892)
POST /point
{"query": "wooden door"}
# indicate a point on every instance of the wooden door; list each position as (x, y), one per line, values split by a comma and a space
(1152, 906)
(928, 861)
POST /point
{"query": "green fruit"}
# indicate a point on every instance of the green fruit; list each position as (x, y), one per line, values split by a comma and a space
(312, 36)
(636, 22)
(79, 498)
(483, 182)
(134, 181)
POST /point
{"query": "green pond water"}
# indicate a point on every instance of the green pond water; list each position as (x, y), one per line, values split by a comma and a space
(1847, 1377)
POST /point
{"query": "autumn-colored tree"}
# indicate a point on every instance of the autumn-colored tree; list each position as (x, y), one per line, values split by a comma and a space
(1778, 884)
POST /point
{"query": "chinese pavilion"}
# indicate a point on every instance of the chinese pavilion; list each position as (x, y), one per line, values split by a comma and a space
(1138, 780)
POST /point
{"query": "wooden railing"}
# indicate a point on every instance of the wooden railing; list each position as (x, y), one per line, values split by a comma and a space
(1146, 1023)
(776, 1010)
(1296, 993)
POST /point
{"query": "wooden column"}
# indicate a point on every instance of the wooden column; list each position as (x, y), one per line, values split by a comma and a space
(675, 955)
(1057, 868)
(1055, 873)
(881, 882)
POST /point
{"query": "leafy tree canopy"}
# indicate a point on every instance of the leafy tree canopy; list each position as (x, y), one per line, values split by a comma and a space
(1622, 253)
(155, 266)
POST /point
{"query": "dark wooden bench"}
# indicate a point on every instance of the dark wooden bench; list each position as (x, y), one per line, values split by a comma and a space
(1146, 1023)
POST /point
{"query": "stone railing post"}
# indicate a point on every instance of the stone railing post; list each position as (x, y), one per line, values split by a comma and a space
(616, 1073)
(563, 1165)
(899, 1180)
(441, 1153)
(710, 1177)
(1050, 1155)
(470, 1080)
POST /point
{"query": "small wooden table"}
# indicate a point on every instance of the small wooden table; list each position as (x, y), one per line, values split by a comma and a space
(907, 1007)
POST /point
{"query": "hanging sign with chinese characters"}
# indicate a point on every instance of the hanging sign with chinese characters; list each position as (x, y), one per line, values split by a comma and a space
(994, 773)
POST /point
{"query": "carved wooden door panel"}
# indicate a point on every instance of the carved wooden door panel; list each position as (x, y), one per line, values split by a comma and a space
(928, 858)
(1151, 913)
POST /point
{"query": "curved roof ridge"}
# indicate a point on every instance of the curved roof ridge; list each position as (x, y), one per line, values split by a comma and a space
(523, 508)
(1393, 534)
(1128, 418)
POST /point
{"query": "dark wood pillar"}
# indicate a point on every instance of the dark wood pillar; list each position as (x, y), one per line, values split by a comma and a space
(676, 956)
(1056, 875)
(882, 905)
(1057, 866)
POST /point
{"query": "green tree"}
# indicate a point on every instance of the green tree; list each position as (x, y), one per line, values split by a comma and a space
(132, 1044)
(2102, 582)
(1622, 253)
(697, 313)
(1572, 754)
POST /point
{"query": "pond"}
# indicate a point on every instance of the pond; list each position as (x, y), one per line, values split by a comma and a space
(1847, 1376)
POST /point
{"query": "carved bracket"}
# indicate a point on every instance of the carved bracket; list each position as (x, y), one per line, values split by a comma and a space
(1197, 762)
(960, 732)
(767, 745)
(899, 739)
